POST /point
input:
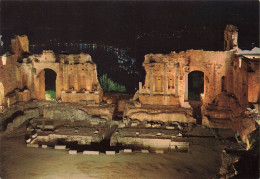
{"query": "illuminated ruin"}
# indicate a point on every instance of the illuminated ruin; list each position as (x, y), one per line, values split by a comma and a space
(187, 98)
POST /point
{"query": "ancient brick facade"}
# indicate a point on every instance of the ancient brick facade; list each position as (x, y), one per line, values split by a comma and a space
(230, 81)
(166, 79)
(22, 76)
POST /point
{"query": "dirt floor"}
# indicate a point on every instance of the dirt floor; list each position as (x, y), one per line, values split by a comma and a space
(18, 162)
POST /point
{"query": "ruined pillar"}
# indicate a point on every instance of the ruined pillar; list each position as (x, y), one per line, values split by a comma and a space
(76, 84)
(66, 85)
(165, 85)
(140, 87)
(186, 78)
(89, 80)
(41, 86)
(151, 80)
(176, 79)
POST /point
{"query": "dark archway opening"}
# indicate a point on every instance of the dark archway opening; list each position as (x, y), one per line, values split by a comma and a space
(196, 85)
(195, 88)
(50, 84)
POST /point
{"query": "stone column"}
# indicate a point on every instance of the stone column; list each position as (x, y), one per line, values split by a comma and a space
(151, 80)
(65, 78)
(176, 79)
(76, 85)
(165, 84)
(140, 87)
(186, 72)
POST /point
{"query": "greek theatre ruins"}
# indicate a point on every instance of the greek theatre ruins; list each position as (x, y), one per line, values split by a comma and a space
(181, 91)
(229, 82)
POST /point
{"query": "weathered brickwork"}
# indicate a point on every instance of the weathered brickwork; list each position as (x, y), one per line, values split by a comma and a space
(22, 75)
(166, 79)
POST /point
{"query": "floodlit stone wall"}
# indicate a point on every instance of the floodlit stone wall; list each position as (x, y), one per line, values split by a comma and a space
(253, 82)
(22, 75)
(8, 78)
(166, 80)
(20, 44)
(231, 38)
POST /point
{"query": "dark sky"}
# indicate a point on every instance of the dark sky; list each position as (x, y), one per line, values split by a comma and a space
(120, 22)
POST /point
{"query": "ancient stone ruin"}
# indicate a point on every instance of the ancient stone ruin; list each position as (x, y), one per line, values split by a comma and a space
(187, 98)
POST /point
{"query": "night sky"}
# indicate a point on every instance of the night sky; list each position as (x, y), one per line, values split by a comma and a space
(142, 27)
(119, 23)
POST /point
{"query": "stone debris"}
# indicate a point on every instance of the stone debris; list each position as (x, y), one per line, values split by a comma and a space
(227, 169)
(28, 140)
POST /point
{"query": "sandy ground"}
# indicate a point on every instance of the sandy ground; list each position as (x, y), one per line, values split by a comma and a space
(18, 162)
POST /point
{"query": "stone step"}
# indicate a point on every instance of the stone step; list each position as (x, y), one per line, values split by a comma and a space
(110, 152)
(128, 151)
(60, 147)
(87, 152)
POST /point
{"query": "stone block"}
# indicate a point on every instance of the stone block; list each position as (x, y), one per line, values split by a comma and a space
(170, 127)
(159, 151)
(33, 145)
(127, 150)
(148, 125)
(60, 147)
(50, 127)
(73, 152)
(86, 152)
(44, 146)
(145, 151)
(110, 152)
(121, 125)
(134, 124)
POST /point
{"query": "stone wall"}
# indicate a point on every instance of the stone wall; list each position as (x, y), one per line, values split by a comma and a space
(25, 73)
(20, 44)
(166, 80)
(158, 113)
(8, 78)
(253, 82)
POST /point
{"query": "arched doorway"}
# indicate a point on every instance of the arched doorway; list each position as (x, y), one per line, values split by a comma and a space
(196, 85)
(50, 84)
(2, 94)
(195, 89)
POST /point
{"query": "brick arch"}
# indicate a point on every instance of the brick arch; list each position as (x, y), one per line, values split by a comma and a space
(40, 77)
(190, 76)
(39, 70)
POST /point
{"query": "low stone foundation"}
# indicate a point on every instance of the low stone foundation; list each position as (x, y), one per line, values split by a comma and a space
(81, 96)
(158, 113)
(159, 99)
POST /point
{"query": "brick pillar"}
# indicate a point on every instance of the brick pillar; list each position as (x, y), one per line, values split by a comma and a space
(76, 84)
(66, 78)
(165, 83)
(151, 80)
(176, 79)
(186, 72)
(140, 87)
